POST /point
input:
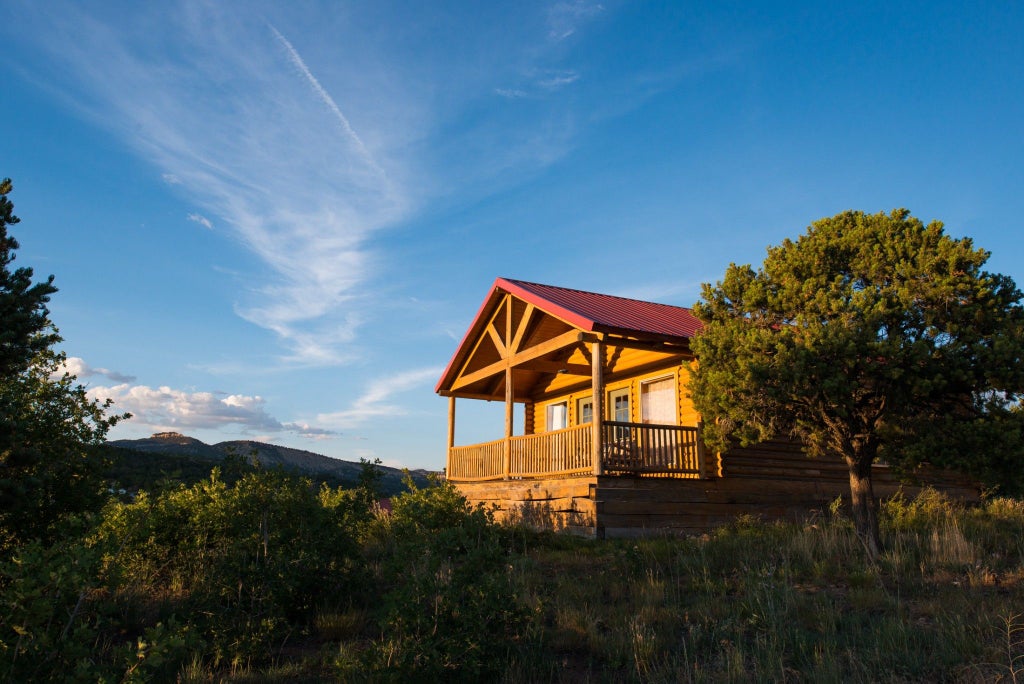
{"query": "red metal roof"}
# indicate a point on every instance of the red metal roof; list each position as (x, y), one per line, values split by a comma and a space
(606, 313)
(588, 311)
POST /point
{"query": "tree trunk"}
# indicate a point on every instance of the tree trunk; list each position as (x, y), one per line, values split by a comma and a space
(865, 506)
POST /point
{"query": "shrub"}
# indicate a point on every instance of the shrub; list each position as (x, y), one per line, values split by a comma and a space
(448, 608)
(242, 564)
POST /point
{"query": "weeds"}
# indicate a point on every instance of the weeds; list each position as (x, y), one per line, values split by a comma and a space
(437, 590)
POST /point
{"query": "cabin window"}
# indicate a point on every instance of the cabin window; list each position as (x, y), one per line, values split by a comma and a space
(585, 411)
(557, 415)
(618, 405)
(658, 401)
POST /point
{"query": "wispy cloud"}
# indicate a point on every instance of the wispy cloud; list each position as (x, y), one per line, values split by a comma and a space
(557, 79)
(679, 292)
(79, 368)
(375, 400)
(304, 144)
(511, 93)
(232, 115)
(164, 408)
(324, 96)
(540, 83)
(201, 220)
(564, 18)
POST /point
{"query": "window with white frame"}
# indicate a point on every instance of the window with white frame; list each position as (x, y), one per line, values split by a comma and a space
(618, 405)
(584, 410)
(557, 415)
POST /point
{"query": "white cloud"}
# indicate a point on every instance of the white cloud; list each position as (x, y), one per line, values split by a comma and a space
(164, 408)
(540, 83)
(303, 135)
(564, 18)
(557, 79)
(201, 220)
(233, 116)
(512, 93)
(80, 369)
(374, 401)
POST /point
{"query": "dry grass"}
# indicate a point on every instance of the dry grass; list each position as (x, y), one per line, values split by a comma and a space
(757, 602)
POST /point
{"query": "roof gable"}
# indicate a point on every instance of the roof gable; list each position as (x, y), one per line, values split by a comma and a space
(566, 309)
(595, 312)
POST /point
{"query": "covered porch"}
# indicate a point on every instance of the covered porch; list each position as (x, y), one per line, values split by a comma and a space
(600, 378)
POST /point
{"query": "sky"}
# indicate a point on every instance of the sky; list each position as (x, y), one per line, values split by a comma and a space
(275, 221)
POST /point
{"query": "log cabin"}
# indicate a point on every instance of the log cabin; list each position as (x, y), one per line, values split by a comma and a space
(610, 443)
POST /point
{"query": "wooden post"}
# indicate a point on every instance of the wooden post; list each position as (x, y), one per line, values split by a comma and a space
(702, 456)
(451, 437)
(509, 406)
(597, 387)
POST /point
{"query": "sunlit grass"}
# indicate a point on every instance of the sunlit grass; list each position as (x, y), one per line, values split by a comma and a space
(750, 602)
(785, 602)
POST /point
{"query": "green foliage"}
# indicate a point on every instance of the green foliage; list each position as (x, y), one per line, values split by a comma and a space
(240, 564)
(50, 433)
(871, 336)
(25, 331)
(866, 320)
(49, 428)
(448, 607)
(48, 623)
(203, 584)
(134, 470)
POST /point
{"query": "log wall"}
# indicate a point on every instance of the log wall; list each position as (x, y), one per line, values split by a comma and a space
(772, 481)
(565, 504)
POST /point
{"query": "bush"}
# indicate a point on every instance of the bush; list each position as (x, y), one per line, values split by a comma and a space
(49, 622)
(448, 608)
(242, 564)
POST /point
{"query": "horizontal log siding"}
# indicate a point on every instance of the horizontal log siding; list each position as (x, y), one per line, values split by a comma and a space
(773, 480)
(777, 460)
(555, 504)
(636, 448)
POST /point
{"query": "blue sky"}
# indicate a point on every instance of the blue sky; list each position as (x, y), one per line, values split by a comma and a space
(275, 220)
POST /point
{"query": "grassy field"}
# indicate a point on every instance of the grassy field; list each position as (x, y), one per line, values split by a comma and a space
(778, 602)
(273, 579)
(752, 602)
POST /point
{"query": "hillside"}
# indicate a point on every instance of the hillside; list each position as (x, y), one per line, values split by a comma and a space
(171, 455)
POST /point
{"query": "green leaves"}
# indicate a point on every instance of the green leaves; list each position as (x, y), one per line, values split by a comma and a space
(49, 428)
(50, 433)
(863, 334)
(863, 321)
(24, 324)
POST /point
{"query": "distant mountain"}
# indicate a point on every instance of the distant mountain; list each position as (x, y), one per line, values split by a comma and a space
(189, 451)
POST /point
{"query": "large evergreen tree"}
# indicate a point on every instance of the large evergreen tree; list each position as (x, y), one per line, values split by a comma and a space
(868, 336)
(49, 428)
(25, 331)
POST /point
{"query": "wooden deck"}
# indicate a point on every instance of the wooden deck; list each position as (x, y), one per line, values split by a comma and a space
(628, 449)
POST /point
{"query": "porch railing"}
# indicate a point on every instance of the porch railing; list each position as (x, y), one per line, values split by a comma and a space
(628, 448)
(644, 448)
(555, 453)
(477, 462)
